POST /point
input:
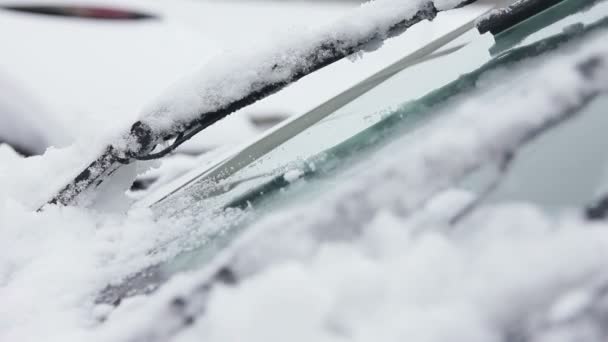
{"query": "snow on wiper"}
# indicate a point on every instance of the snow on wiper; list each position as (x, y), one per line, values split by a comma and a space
(552, 94)
(234, 81)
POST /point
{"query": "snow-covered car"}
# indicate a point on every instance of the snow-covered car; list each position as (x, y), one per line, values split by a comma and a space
(510, 134)
(455, 193)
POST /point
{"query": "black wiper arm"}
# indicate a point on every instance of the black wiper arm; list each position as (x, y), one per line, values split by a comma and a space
(502, 19)
(142, 139)
(598, 210)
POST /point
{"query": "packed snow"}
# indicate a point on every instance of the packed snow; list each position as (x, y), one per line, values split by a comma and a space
(368, 261)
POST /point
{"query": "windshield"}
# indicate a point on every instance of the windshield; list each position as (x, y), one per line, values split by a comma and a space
(564, 169)
(359, 115)
(344, 143)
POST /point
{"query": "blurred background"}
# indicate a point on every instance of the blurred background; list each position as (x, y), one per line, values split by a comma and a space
(80, 68)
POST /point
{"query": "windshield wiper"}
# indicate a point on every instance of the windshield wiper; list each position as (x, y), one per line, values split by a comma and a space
(516, 34)
(142, 140)
(598, 210)
(502, 19)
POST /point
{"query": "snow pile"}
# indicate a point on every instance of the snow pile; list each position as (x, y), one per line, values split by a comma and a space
(55, 263)
(444, 5)
(393, 284)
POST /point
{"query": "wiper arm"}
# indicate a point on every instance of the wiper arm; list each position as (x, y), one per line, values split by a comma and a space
(502, 19)
(598, 210)
(143, 139)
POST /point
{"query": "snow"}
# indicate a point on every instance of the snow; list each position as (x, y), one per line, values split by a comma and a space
(293, 175)
(392, 284)
(26, 123)
(444, 5)
(50, 264)
(570, 305)
(54, 263)
(368, 261)
(8, 155)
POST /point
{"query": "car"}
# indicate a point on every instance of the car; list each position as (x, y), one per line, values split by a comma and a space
(484, 126)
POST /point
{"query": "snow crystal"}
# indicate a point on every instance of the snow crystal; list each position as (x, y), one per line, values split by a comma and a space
(293, 175)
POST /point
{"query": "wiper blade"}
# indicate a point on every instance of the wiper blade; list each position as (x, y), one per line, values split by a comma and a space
(598, 210)
(516, 34)
(502, 19)
(142, 140)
